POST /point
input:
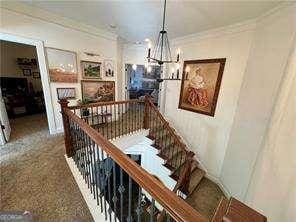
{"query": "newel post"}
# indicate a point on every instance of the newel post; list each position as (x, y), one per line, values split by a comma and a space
(146, 112)
(66, 125)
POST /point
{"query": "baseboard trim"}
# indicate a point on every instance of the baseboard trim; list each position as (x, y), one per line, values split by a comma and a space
(219, 183)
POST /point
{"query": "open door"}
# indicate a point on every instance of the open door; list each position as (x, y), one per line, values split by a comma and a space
(4, 122)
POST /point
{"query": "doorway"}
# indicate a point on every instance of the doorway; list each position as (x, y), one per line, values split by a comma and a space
(22, 94)
(141, 80)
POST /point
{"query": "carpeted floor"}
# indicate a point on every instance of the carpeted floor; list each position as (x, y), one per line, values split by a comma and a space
(35, 175)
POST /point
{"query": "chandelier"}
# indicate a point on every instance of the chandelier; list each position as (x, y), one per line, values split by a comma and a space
(162, 53)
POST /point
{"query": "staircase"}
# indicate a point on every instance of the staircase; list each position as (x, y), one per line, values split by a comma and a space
(201, 193)
(87, 142)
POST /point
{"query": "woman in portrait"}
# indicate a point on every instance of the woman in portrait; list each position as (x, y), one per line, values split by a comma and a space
(197, 94)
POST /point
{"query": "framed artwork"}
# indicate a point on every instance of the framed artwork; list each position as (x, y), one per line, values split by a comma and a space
(201, 84)
(109, 68)
(36, 75)
(66, 93)
(91, 70)
(27, 72)
(98, 91)
(62, 65)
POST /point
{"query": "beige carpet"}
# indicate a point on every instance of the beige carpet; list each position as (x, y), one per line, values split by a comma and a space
(35, 175)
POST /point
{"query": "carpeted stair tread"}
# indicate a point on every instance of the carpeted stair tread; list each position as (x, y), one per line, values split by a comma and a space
(205, 197)
(176, 173)
(195, 178)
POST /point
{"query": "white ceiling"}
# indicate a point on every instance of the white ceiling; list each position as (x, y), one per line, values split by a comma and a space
(137, 20)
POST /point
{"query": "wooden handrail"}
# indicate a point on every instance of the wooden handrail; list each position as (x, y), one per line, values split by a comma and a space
(104, 103)
(178, 209)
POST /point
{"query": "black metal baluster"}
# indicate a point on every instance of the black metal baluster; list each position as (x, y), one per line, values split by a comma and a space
(108, 174)
(129, 218)
(137, 116)
(83, 165)
(122, 120)
(88, 164)
(104, 179)
(115, 121)
(92, 115)
(95, 150)
(92, 163)
(139, 207)
(107, 125)
(79, 148)
(100, 178)
(152, 210)
(121, 191)
(114, 199)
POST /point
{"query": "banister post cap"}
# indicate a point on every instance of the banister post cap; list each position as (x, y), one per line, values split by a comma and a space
(63, 102)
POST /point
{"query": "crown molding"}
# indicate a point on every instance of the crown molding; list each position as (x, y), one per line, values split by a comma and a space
(247, 25)
(50, 17)
(212, 33)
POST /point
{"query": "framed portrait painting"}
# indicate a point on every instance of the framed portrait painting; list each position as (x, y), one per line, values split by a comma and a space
(91, 70)
(201, 84)
(98, 91)
(62, 65)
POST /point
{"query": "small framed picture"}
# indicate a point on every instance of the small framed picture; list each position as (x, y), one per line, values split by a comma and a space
(27, 72)
(66, 93)
(91, 70)
(36, 75)
(109, 67)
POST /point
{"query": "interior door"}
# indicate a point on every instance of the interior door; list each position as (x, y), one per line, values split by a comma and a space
(4, 122)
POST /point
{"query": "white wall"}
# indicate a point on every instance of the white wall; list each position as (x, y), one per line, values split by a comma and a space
(273, 184)
(62, 37)
(131, 54)
(208, 136)
(271, 46)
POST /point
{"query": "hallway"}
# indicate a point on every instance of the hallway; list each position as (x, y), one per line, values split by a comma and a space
(35, 175)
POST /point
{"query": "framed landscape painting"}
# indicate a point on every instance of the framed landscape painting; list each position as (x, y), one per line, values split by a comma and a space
(201, 84)
(62, 65)
(98, 91)
(91, 70)
(66, 93)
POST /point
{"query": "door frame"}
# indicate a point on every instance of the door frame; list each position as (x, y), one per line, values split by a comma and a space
(161, 95)
(43, 74)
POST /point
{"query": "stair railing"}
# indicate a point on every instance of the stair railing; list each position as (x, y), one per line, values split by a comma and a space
(167, 141)
(112, 119)
(116, 181)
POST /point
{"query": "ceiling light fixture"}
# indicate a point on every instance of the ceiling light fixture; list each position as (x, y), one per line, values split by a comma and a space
(162, 53)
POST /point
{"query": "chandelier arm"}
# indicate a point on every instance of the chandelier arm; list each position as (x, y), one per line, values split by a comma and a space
(161, 47)
(163, 19)
(154, 54)
(169, 49)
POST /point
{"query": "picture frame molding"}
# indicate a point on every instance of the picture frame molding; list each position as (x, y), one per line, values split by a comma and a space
(222, 62)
